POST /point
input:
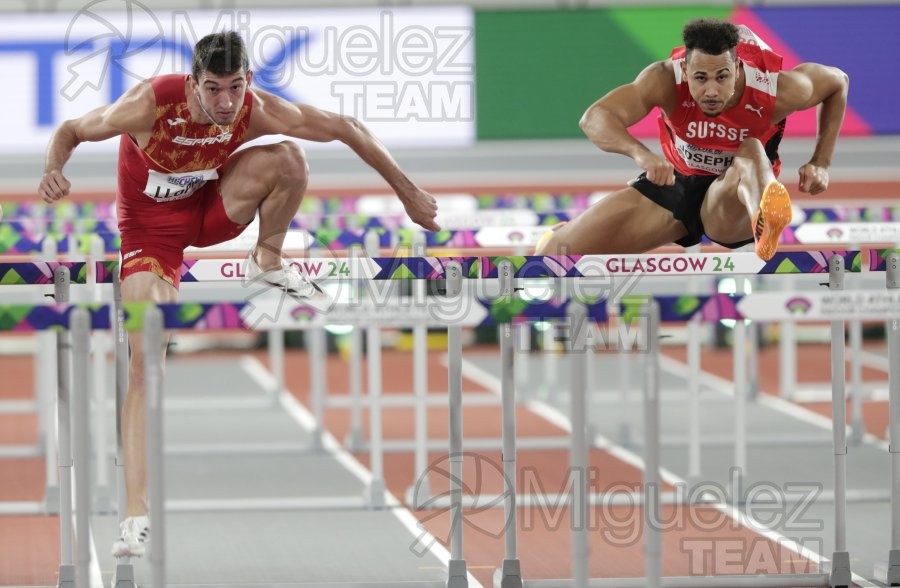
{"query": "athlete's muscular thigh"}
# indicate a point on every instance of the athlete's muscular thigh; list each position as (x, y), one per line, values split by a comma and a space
(251, 174)
(724, 214)
(622, 222)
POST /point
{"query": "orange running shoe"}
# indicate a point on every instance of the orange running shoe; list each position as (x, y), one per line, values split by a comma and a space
(773, 216)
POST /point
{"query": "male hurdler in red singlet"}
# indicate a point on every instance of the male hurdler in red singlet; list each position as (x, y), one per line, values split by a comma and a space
(723, 100)
(181, 183)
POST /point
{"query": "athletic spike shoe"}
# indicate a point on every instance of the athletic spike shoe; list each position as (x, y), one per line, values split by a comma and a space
(134, 534)
(289, 280)
(773, 216)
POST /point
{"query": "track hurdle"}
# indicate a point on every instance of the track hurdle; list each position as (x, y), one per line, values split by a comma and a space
(73, 330)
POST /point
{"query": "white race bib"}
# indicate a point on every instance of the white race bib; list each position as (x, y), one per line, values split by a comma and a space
(166, 187)
(712, 161)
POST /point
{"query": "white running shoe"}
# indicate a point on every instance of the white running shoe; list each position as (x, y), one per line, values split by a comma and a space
(289, 280)
(134, 533)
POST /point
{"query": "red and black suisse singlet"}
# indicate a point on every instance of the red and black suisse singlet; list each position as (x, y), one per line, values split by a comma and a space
(697, 144)
(182, 155)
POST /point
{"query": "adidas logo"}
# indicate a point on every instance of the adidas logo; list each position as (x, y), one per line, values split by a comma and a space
(175, 121)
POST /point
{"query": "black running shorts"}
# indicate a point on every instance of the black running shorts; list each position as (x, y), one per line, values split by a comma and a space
(684, 201)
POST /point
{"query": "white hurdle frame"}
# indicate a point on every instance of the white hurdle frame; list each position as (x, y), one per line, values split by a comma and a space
(507, 285)
(840, 573)
(153, 336)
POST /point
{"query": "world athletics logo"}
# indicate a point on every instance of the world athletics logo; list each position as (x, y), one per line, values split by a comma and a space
(835, 233)
(798, 305)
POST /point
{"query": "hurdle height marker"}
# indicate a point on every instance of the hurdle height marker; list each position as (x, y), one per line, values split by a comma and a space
(840, 562)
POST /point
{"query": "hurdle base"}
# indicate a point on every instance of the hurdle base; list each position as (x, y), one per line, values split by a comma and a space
(624, 436)
(889, 573)
(51, 500)
(66, 576)
(458, 576)
(355, 441)
(509, 575)
(418, 495)
(373, 495)
(317, 440)
(124, 577)
(838, 570)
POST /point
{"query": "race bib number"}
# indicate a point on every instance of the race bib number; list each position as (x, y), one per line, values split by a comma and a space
(167, 187)
(712, 161)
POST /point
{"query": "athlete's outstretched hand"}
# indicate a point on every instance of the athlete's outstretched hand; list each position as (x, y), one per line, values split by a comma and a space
(54, 186)
(813, 178)
(421, 207)
(659, 171)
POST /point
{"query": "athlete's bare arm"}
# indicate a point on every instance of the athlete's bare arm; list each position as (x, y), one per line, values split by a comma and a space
(606, 121)
(273, 116)
(132, 113)
(806, 86)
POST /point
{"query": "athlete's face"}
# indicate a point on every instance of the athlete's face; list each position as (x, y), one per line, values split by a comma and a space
(222, 96)
(711, 80)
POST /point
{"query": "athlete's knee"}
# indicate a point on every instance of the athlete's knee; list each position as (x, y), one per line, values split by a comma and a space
(752, 148)
(292, 162)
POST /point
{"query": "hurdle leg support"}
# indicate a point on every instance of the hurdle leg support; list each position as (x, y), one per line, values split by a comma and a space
(893, 341)
(66, 576)
(840, 562)
(124, 577)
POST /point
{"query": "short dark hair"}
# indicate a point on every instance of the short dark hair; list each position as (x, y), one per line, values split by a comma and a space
(219, 54)
(711, 36)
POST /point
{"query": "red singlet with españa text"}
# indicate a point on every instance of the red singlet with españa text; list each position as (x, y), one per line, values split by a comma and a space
(168, 192)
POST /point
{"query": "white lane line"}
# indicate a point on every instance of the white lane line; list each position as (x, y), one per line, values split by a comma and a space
(307, 422)
(96, 574)
(492, 382)
(726, 387)
(558, 419)
(723, 386)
